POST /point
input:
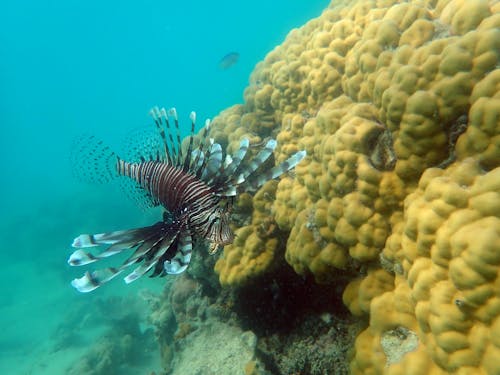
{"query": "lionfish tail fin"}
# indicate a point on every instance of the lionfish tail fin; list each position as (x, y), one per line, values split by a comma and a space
(92, 161)
(154, 247)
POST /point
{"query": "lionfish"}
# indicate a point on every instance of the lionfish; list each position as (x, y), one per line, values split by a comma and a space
(196, 187)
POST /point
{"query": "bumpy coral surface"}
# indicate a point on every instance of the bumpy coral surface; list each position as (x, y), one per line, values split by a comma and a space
(256, 245)
(398, 106)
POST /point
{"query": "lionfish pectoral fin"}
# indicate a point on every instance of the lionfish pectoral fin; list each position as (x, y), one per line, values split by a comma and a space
(118, 241)
(159, 250)
(180, 261)
(154, 241)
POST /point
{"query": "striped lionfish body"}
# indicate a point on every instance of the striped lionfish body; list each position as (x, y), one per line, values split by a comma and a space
(196, 187)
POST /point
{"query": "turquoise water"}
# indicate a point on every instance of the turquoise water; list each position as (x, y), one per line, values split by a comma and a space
(74, 67)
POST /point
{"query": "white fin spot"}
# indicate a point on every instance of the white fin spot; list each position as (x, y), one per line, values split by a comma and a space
(192, 116)
(173, 112)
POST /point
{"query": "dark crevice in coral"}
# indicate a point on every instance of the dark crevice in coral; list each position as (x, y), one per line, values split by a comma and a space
(292, 317)
(453, 131)
(277, 302)
(317, 347)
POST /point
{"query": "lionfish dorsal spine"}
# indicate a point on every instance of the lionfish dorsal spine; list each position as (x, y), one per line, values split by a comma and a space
(238, 174)
(276, 171)
(187, 159)
(200, 173)
(237, 158)
(172, 112)
(156, 115)
(260, 158)
(214, 162)
(197, 162)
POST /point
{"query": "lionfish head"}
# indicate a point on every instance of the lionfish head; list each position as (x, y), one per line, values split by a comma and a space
(220, 232)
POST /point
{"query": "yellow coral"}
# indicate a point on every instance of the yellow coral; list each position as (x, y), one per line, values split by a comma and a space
(448, 248)
(482, 137)
(450, 254)
(255, 245)
(392, 314)
(397, 104)
(359, 293)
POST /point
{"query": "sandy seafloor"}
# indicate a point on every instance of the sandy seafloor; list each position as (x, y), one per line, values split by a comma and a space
(76, 67)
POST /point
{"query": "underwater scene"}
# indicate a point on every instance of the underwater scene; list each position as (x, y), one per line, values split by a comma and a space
(339, 213)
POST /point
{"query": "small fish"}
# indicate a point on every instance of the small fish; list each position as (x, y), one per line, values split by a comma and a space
(229, 60)
(195, 186)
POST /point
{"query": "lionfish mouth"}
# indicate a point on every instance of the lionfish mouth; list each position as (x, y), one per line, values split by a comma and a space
(196, 188)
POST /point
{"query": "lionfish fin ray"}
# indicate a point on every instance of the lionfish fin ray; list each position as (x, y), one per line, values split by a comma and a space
(176, 145)
(167, 148)
(257, 181)
(93, 280)
(198, 161)
(140, 252)
(237, 157)
(187, 158)
(213, 164)
(260, 158)
(161, 249)
(92, 161)
(137, 194)
(198, 157)
(180, 261)
(144, 144)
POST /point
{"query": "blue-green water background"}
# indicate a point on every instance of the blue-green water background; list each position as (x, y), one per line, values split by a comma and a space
(73, 67)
